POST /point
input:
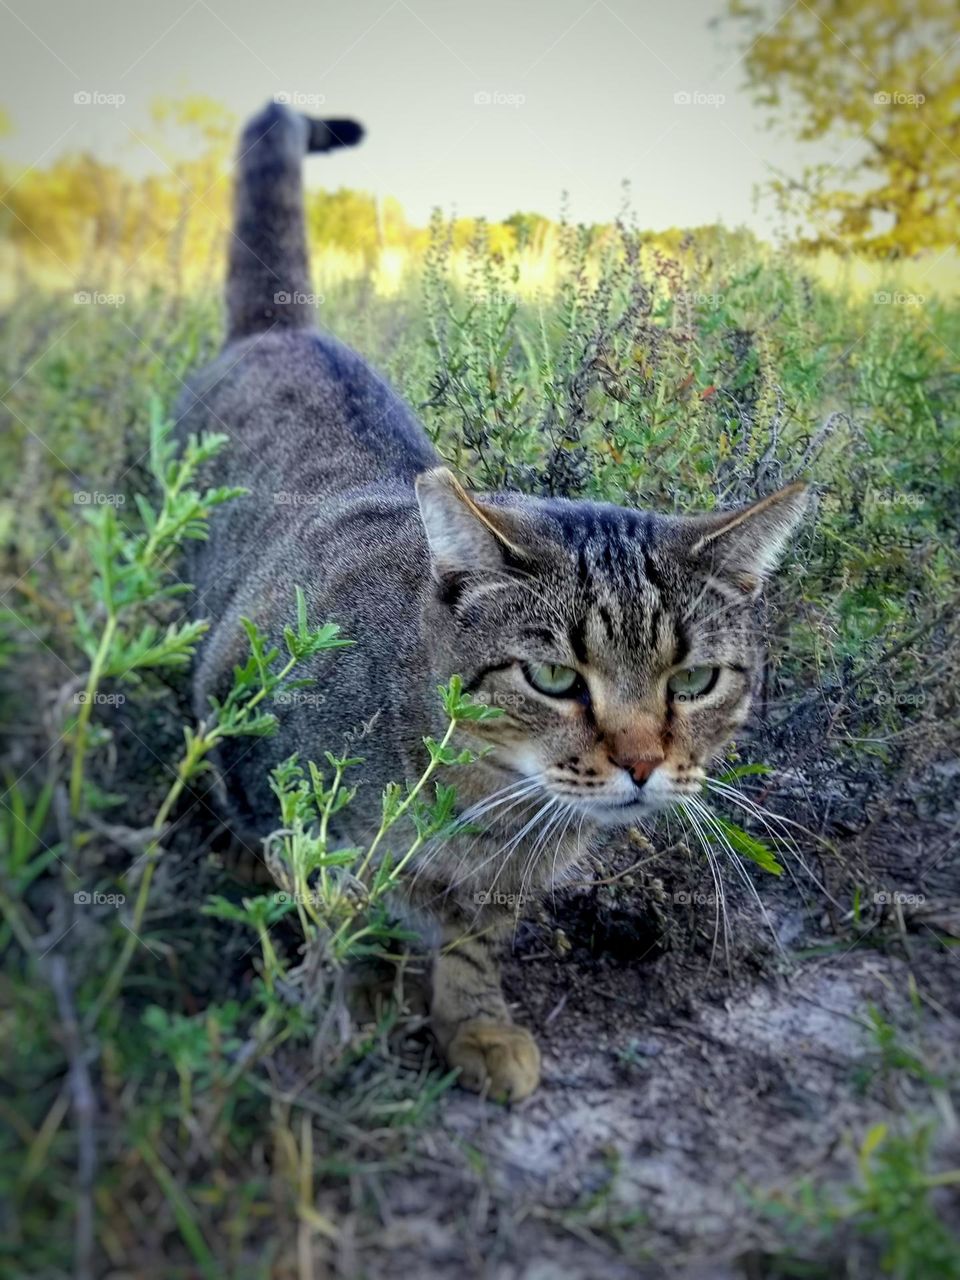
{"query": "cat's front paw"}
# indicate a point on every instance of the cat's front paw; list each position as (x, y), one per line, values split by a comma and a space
(497, 1057)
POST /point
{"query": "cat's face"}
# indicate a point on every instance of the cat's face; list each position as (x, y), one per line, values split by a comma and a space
(620, 647)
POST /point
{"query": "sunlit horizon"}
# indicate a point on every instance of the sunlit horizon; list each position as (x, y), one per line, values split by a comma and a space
(481, 114)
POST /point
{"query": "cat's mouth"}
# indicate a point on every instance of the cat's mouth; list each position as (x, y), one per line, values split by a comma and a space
(621, 813)
(659, 793)
(620, 808)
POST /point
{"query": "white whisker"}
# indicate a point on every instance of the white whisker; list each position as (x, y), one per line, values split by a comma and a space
(507, 848)
(721, 904)
(513, 794)
(721, 836)
(564, 813)
(765, 817)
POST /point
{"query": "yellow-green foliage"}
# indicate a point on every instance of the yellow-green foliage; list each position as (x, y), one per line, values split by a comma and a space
(882, 81)
(81, 222)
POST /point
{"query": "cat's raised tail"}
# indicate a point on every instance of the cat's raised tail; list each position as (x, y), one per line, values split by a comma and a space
(268, 279)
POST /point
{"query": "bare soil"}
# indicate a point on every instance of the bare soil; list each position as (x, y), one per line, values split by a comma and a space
(681, 1088)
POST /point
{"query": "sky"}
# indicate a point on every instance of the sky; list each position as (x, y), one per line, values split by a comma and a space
(479, 108)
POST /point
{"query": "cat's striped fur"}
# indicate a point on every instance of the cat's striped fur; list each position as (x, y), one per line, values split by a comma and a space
(350, 500)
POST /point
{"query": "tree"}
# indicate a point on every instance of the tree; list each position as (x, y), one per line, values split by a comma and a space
(881, 78)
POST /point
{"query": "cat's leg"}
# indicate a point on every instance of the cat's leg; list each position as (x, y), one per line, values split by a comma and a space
(374, 986)
(470, 1018)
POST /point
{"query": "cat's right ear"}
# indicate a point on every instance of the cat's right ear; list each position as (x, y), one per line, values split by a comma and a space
(464, 537)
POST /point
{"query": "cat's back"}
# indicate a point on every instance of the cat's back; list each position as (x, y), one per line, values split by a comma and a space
(306, 413)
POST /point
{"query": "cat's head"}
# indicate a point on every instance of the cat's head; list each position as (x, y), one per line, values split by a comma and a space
(621, 646)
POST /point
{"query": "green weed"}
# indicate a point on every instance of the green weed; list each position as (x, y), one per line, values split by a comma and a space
(671, 377)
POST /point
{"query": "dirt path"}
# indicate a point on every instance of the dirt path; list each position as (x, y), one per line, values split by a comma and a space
(674, 1096)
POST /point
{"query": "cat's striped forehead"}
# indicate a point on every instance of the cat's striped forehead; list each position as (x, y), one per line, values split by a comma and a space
(625, 607)
(628, 598)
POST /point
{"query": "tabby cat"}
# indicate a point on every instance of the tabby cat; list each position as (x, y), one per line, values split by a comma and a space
(620, 645)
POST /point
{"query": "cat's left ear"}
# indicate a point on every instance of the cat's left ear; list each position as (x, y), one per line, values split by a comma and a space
(464, 535)
(746, 545)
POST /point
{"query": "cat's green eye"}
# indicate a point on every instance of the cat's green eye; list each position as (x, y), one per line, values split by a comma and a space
(553, 679)
(692, 682)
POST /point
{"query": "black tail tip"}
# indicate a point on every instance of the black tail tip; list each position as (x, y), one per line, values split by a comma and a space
(327, 135)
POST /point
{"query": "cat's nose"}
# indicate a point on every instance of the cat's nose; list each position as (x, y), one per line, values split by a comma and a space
(640, 769)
